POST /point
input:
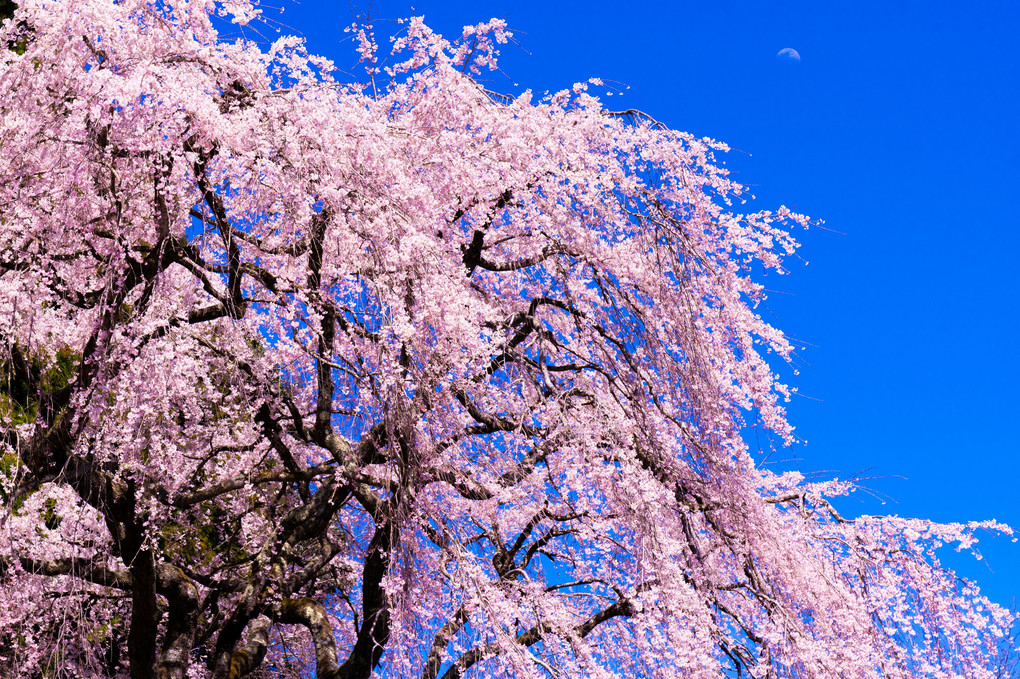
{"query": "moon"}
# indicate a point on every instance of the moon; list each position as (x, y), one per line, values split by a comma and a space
(788, 54)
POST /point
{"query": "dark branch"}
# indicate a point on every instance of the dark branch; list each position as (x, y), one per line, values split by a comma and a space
(535, 635)
(375, 613)
(312, 615)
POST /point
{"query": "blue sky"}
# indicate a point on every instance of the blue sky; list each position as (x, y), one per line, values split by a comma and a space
(898, 127)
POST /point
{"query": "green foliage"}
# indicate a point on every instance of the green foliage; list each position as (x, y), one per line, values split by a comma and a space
(9, 467)
(14, 410)
(7, 9)
(212, 538)
(50, 517)
(20, 390)
(63, 369)
(6, 12)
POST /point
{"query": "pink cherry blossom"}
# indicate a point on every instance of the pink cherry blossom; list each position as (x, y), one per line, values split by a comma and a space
(404, 379)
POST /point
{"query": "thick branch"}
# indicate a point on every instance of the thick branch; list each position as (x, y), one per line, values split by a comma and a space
(199, 496)
(248, 657)
(83, 569)
(144, 616)
(324, 403)
(523, 262)
(312, 615)
(182, 599)
(375, 626)
(472, 252)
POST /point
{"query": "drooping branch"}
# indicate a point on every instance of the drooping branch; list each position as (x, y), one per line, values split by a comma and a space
(185, 500)
(435, 658)
(523, 262)
(236, 304)
(534, 635)
(297, 248)
(496, 422)
(803, 498)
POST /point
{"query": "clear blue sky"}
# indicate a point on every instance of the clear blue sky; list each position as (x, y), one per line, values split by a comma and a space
(899, 128)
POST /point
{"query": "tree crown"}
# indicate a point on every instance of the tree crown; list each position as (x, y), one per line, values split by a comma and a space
(406, 377)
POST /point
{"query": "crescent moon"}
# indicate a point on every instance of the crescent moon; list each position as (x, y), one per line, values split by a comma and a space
(788, 54)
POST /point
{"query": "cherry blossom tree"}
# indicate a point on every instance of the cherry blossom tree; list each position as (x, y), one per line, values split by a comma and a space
(406, 378)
